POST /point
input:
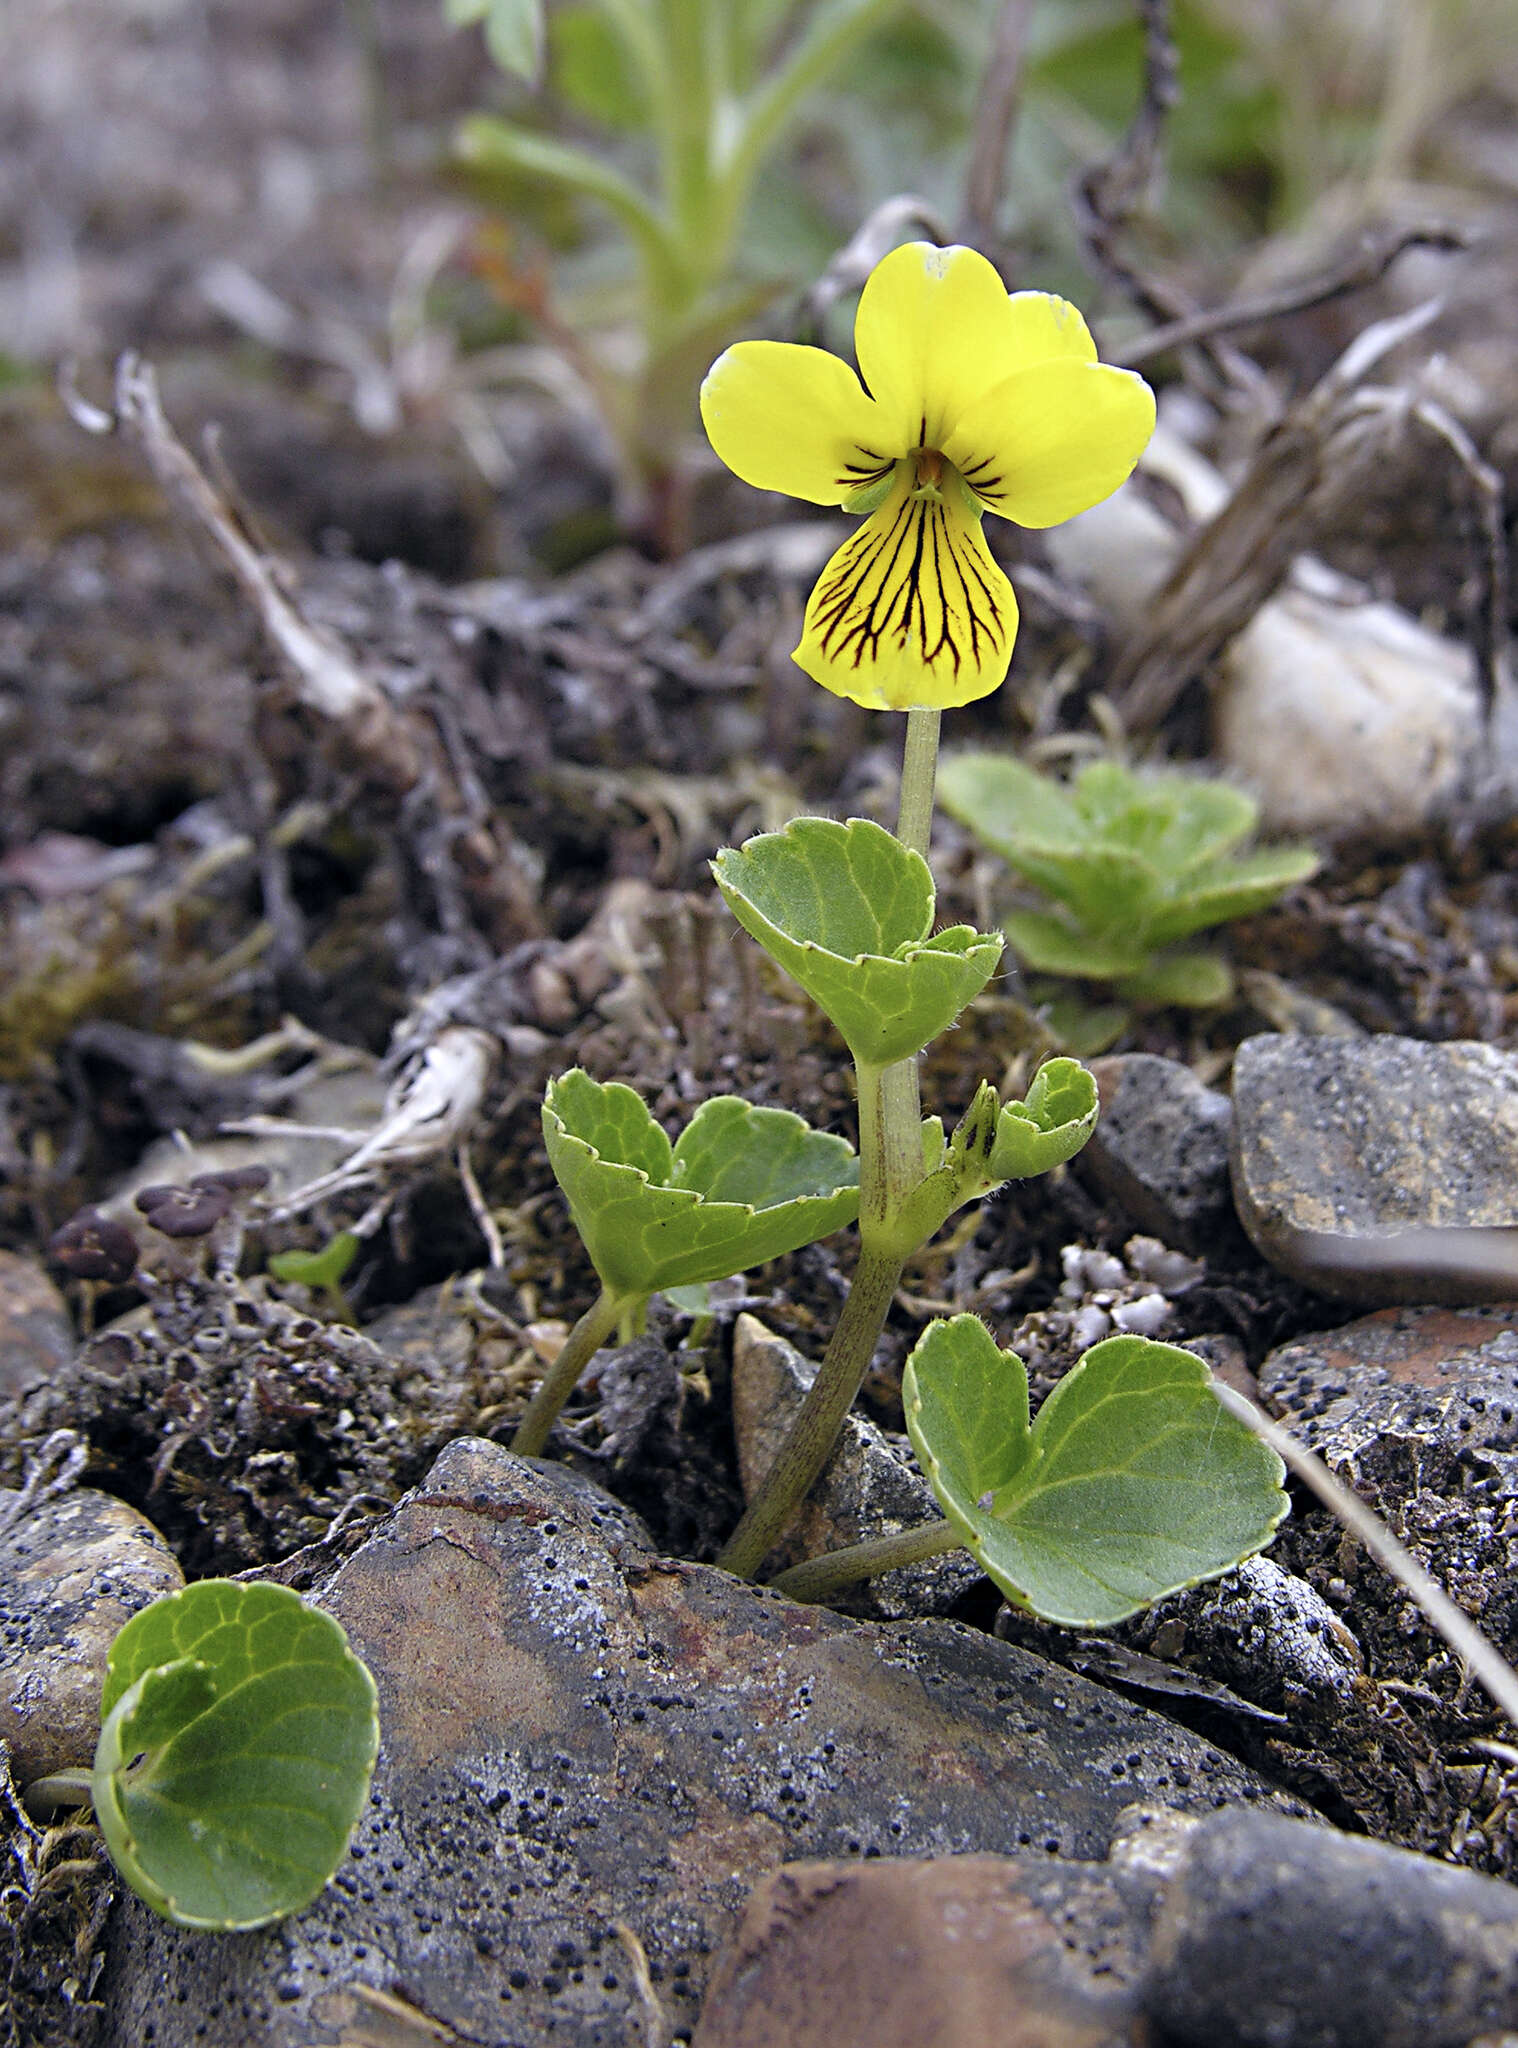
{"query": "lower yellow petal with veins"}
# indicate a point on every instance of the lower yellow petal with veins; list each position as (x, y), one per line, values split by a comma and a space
(911, 609)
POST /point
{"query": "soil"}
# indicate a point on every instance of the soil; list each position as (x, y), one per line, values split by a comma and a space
(189, 856)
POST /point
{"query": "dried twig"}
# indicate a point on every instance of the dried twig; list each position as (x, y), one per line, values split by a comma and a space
(1374, 253)
(1111, 195)
(1306, 474)
(995, 114)
(330, 683)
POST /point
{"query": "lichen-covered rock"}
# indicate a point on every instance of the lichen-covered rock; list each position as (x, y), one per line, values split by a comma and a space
(577, 1732)
(73, 1570)
(1380, 1169)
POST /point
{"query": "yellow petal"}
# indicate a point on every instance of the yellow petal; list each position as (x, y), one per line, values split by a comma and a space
(1053, 440)
(1044, 327)
(792, 419)
(910, 610)
(934, 330)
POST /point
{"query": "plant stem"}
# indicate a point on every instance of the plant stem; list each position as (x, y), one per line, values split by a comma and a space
(59, 1788)
(558, 1383)
(815, 1431)
(820, 1577)
(919, 765)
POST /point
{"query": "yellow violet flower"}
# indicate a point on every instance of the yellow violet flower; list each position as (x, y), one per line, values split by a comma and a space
(972, 401)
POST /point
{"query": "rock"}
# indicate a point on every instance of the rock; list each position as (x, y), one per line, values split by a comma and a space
(1160, 1148)
(576, 1732)
(1382, 1169)
(988, 1950)
(36, 1335)
(73, 1570)
(1264, 1631)
(1274, 1934)
(1345, 718)
(870, 1486)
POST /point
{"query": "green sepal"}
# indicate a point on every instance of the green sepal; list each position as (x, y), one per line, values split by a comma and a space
(513, 31)
(741, 1185)
(847, 911)
(1133, 1481)
(239, 1736)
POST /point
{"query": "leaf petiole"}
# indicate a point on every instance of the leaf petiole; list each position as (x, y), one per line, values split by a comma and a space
(558, 1383)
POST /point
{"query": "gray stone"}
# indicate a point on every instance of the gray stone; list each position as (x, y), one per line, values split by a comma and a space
(870, 1486)
(1381, 1169)
(1160, 1148)
(577, 1732)
(1274, 1934)
(73, 1570)
(1263, 1631)
(36, 1335)
(983, 1950)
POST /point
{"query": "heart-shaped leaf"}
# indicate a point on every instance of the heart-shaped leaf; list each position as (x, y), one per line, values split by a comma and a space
(239, 1737)
(740, 1186)
(847, 911)
(1133, 1482)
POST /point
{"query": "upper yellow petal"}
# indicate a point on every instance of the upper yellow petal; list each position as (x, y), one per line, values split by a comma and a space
(1053, 440)
(793, 419)
(935, 328)
(1043, 327)
(910, 610)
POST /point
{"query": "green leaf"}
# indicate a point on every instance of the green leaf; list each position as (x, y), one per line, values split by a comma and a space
(1050, 944)
(1238, 889)
(234, 1760)
(1132, 1483)
(324, 1269)
(1048, 1128)
(513, 31)
(847, 911)
(1190, 981)
(491, 145)
(741, 1186)
(1137, 861)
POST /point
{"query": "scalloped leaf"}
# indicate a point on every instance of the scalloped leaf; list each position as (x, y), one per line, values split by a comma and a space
(742, 1185)
(1132, 1483)
(847, 911)
(238, 1740)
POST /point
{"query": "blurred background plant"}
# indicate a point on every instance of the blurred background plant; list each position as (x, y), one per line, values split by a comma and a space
(645, 214)
(1134, 863)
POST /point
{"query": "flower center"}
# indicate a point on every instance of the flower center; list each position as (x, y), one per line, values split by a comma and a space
(930, 469)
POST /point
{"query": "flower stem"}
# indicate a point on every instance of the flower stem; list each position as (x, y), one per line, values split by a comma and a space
(815, 1431)
(820, 1577)
(919, 765)
(558, 1383)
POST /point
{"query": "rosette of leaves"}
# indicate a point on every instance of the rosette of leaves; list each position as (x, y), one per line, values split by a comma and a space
(239, 1736)
(740, 1185)
(1134, 862)
(1133, 1482)
(847, 911)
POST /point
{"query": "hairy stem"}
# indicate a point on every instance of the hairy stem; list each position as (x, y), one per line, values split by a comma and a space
(919, 767)
(558, 1383)
(815, 1431)
(821, 1577)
